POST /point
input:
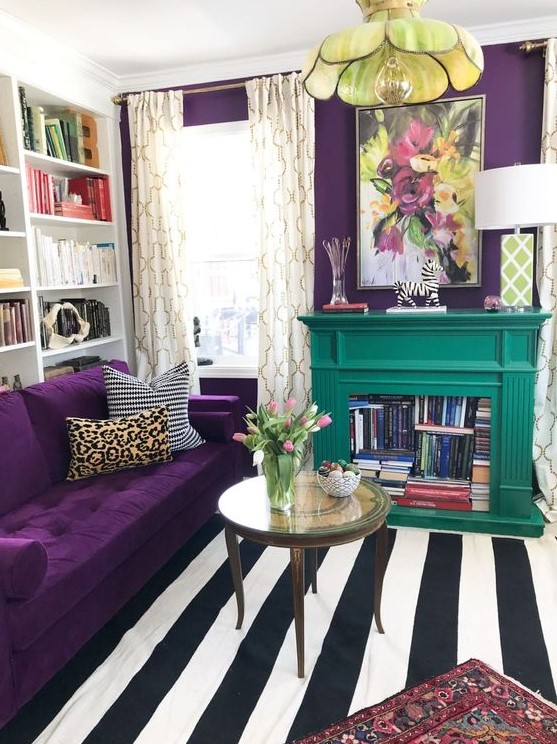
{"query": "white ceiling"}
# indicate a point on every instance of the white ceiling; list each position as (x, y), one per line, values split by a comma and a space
(136, 37)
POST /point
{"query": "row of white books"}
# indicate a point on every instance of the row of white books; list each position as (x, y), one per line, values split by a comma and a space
(68, 262)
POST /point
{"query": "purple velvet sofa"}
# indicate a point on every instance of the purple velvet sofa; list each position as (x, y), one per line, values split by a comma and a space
(73, 552)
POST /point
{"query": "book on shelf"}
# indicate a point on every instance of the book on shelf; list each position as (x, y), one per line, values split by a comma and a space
(394, 455)
(68, 261)
(438, 489)
(15, 322)
(347, 307)
(10, 278)
(71, 209)
(94, 191)
(480, 471)
(50, 373)
(444, 429)
(24, 112)
(81, 362)
(55, 138)
(433, 504)
(392, 475)
(37, 118)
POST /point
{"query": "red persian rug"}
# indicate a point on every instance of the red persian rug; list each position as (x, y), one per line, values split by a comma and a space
(470, 704)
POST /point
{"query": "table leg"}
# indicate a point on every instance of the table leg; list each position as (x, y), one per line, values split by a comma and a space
(236, 569)
(313, 558)
(380, 566)
(297, 569)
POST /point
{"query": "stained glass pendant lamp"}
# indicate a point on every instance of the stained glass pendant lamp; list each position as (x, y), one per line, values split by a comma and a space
(394, 57)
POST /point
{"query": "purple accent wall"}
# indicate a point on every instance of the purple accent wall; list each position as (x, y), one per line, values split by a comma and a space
(513, 85)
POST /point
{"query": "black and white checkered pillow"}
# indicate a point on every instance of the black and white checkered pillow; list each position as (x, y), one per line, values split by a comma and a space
(128, 395)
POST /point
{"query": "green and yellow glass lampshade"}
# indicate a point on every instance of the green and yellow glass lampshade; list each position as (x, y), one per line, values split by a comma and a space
(394, 57)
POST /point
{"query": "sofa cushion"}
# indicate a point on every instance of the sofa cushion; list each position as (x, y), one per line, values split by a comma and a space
(50, 403)
(127, 395)
(213, 426)
(105, 445)
(23, 565)
(23, 467)
(92, 525)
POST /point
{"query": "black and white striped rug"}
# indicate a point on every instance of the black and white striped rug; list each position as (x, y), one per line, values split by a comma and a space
(171, 668)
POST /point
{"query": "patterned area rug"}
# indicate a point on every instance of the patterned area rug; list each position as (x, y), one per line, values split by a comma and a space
(472, 703)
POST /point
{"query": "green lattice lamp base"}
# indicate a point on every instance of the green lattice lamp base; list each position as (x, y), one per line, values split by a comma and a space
(517, 269)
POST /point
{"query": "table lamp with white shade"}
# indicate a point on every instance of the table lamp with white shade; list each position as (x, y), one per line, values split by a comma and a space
(513, 197)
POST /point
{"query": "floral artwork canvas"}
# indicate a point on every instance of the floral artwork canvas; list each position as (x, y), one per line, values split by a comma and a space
(416, 170)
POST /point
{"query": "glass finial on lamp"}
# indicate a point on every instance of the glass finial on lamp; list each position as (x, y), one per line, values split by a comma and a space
(393, 86)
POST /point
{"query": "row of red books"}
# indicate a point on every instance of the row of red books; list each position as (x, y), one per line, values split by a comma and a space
(50, 194)
(436, 494)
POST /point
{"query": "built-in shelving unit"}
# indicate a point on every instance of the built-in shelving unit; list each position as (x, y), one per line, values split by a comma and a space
(18, 244)
(460, 353)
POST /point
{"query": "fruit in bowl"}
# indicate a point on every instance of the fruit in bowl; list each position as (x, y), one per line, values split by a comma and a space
(338, 479)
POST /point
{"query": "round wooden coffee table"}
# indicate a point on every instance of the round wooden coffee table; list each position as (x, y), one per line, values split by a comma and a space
(316, 520)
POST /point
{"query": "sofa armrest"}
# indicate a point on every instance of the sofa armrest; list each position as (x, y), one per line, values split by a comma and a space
(23, 565)
(217, 403)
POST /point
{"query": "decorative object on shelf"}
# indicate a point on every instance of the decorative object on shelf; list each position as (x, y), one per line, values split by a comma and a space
(273, 436)
(5, 386)
(338, 479)
(493, 303)
(428, 287)
(338, 253)
(56, 340)
(3, 214)
(395, 57)
(416, 168)
(18, 385)
(513, 197)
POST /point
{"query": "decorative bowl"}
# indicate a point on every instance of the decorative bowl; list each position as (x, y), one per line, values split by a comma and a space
(339, 487)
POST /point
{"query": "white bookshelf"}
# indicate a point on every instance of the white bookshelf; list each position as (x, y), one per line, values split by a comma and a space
(18, 247)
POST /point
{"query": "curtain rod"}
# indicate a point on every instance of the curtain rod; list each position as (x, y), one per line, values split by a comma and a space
(121, 99)
(533, 46)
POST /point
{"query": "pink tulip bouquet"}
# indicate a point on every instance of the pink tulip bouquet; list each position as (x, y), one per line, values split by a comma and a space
(270, 432)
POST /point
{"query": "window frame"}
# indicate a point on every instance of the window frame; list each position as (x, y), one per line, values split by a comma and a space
(216, 370)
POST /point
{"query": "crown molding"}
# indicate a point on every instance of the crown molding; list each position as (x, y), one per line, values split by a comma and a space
(36, 59)
(516, 31)
(213, 71)
(530, 29)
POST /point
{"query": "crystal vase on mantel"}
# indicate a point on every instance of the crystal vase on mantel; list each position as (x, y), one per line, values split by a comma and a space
(279, 471)
(338, 253)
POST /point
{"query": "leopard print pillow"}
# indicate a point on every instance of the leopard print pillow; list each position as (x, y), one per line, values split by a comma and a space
(106, 445)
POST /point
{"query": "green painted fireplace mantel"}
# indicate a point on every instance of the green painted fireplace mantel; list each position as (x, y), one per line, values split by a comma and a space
(460, 352)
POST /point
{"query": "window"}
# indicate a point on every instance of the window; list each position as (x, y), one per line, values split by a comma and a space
(220, 230)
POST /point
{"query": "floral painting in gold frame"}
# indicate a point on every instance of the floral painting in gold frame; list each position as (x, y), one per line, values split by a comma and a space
(416, 170)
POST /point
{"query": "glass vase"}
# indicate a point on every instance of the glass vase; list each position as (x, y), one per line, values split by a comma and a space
(279, 474)
(338, 252)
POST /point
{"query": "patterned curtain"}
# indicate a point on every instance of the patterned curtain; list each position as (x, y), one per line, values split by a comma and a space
(281, 118)
(545, 431)
(163, 318)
